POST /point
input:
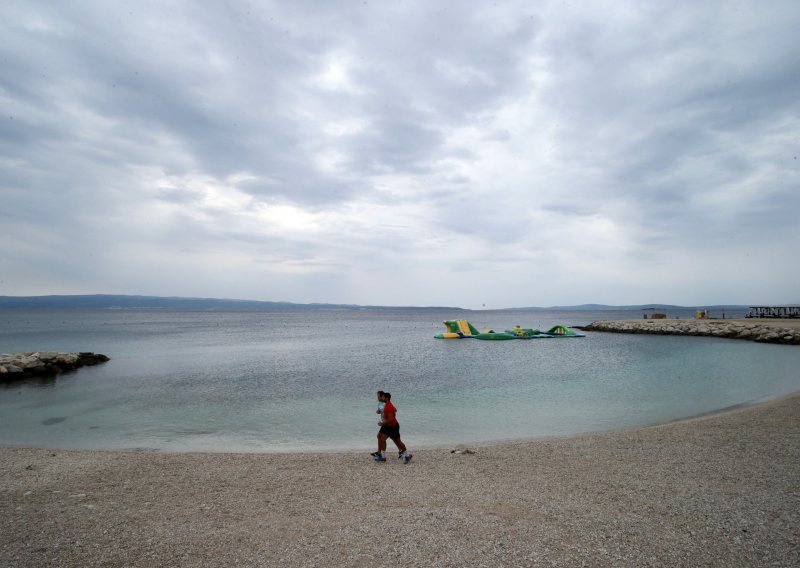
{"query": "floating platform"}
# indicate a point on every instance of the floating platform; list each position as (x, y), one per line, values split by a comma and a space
(563, 331)
(462, 329)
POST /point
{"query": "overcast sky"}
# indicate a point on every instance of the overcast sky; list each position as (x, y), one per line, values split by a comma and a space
(401, 152)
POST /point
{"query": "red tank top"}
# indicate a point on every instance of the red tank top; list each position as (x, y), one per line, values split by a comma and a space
(390, 415)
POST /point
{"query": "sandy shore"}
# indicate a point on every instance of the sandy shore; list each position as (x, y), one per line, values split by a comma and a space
(716, 491)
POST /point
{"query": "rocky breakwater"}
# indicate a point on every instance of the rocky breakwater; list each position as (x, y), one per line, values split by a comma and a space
(15, 366)
(760, 332)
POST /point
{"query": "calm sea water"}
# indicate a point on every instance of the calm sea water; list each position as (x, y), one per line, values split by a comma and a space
(303, 380)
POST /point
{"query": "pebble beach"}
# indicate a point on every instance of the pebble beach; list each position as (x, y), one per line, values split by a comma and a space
(720, 490)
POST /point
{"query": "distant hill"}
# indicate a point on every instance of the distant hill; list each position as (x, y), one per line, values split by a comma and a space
(604, 308)
(110, 302)
(130, 302)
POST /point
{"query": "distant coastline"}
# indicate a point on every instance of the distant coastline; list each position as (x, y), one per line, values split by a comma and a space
(137, 302)
(132, 302)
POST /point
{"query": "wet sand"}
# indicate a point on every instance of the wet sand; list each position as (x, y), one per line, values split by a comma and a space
(722, 490)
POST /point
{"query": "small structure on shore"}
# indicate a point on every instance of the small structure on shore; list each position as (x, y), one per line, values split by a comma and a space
(14, 366)
(654, 314)
(773, 312)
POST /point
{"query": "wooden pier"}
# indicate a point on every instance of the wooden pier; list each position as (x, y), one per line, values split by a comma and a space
(773, 312)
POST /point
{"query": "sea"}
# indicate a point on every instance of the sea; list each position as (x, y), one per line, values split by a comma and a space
(305, 380)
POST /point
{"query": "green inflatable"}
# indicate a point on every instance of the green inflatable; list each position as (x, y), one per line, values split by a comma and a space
(462, 329)
(563, 331)
(495, 335)
(458, 329)
(526, 333)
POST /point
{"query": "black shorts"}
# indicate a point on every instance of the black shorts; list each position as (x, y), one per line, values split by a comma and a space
(392, 432)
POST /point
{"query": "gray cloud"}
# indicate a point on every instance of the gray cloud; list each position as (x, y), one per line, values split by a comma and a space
(275, 150)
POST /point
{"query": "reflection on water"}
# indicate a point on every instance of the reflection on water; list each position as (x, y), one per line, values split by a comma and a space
(51, 421)
(283, 381)
(47, 381)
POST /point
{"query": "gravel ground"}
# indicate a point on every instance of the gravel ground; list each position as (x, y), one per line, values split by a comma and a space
(722, 490)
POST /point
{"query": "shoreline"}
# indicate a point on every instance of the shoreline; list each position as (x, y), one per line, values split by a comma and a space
(710, 490)
(443, 446)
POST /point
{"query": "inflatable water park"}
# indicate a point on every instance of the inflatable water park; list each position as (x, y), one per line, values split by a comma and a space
(462, 329)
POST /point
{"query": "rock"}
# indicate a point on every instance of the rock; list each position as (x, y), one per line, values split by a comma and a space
(754, 332)
(47, 357)
(66, 359)
(20, 365)
(91, 358)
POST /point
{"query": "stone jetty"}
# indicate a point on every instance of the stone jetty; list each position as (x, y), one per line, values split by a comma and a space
(731, 329)
(15, 366)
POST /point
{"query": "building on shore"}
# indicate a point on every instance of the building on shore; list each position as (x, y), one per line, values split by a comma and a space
(655, 313)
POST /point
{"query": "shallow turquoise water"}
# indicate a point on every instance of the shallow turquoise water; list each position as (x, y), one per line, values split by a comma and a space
(287, 381)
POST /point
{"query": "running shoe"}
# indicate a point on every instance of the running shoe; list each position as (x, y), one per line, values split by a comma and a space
(375, 454)
(407, 458)
(380, 458)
